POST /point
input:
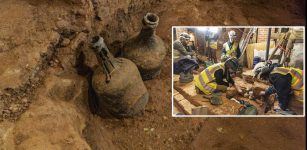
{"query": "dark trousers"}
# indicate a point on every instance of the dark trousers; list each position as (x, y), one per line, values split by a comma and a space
(185, 65)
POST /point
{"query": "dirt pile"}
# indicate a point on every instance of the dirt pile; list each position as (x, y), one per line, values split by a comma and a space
(43, 43)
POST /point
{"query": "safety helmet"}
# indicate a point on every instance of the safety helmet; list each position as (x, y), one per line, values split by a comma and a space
(266, 70)
(185, 36)
(232, 33)
(232, 63)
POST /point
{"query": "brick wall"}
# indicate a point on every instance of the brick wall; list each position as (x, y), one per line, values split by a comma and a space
(263, 34)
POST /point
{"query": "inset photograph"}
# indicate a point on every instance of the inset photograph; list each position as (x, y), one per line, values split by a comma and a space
(238, 71)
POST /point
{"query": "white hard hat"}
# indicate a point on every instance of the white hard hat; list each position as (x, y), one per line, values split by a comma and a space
(232, 33)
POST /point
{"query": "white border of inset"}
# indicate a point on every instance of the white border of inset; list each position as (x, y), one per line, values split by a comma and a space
(254, 116)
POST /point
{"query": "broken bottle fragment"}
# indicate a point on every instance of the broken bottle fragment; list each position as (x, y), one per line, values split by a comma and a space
(117, 83)
(146, 49)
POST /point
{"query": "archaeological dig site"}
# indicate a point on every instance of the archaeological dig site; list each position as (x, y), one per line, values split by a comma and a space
(238, 71)
(152, 75)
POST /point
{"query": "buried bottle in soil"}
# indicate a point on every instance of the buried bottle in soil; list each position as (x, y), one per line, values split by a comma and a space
(118, 85)
(146, 49)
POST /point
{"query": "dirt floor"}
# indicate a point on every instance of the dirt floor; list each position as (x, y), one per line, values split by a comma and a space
(187, 92)
(43, 100)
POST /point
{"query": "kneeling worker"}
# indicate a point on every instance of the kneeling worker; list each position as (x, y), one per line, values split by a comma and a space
(286, 82)
(211, 79)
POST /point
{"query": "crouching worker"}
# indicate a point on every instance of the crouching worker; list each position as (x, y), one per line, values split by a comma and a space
(211, 80)
(287, 83)
(184, 62)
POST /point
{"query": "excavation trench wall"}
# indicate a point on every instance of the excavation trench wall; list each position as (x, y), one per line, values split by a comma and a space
(40, 67)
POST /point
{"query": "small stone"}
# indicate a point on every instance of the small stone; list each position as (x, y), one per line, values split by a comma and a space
(164, 118)
(220, 129)
(62, 24)
(7, 94)
(158, 136)
(24, 100)
(69, 140)
(146, 129)
(65, 42)
(14, 108)
(1, 106)
(152, 129)
(6, 111)
(4, 46)
(80, 12)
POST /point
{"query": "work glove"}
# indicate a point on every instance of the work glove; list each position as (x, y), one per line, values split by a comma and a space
(221, 88)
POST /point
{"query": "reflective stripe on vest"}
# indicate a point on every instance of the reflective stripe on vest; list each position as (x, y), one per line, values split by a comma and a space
(231, 52)
(298, 83)
(296, 74)
(204, 85)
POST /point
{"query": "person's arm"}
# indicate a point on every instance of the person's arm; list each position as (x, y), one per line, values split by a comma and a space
(181, 49)
(238, 52)
(219, 78)
(232, 83)
(229, 79)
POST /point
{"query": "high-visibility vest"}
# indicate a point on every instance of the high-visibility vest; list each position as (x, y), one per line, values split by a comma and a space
(213, 45)
(207, 76)
(231, 52)
(296, 74)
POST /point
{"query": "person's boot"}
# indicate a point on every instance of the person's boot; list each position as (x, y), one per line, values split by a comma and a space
(185, 77)
(190, 75)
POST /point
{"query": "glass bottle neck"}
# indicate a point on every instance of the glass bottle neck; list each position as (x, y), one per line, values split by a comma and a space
(147, 32)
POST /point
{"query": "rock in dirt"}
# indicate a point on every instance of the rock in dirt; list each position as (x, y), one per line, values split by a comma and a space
(65, 42)
(256, 92)
(231, 92)
(14, 108)
(248, 79)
